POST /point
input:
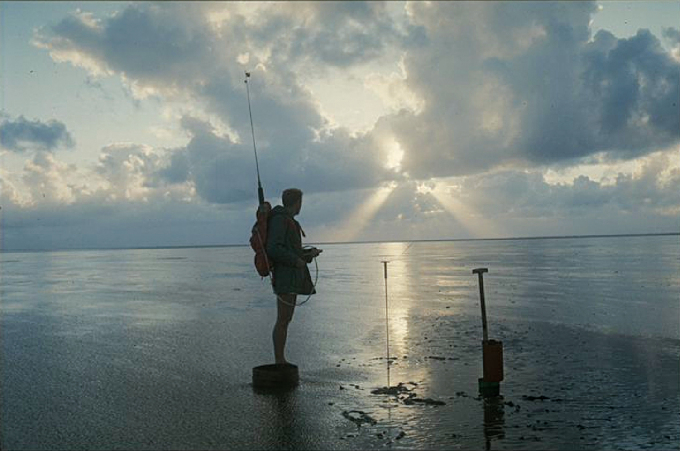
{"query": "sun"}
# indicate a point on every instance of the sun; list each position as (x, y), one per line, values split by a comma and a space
(394, 155)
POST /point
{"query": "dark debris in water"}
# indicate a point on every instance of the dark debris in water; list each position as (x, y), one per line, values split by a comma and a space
(358, 417)
(394, 390)
(535, 398)
(410, 398)
(427, 401)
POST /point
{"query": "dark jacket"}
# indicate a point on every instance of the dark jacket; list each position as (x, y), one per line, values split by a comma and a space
(284, 248)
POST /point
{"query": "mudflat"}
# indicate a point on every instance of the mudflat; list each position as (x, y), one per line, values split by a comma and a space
(154, 349)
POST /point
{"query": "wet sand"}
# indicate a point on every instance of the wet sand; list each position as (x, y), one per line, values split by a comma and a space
(564, 388)
(153, 349)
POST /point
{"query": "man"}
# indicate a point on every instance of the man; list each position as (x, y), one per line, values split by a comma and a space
(290, 274)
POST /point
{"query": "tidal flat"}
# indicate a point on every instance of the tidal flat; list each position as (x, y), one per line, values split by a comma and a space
(153, 349)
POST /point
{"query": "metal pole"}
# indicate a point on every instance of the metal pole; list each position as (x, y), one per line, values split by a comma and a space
(480, 272)
(387, 326)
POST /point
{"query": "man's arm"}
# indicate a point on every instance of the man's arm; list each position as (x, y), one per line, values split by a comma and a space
(276, 243)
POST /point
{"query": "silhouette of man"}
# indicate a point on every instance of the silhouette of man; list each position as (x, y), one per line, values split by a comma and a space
(291, 275)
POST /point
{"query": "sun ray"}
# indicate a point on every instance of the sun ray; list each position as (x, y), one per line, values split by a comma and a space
(350, 229)
(474, 223)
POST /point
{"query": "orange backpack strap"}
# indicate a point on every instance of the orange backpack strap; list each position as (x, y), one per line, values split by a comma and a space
(296, 225)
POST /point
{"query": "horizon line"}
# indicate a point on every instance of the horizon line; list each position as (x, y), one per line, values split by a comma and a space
(201, 246)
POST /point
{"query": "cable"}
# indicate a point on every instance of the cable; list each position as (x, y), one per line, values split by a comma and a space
(316, 279)
(271, 280)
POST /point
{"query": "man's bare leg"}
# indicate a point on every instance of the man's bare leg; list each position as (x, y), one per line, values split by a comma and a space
(283, 318)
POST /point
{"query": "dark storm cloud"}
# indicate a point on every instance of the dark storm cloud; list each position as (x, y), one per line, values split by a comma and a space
(147, 42)
(178, 169)
(520, 83)
(224, 171)
(634, 86)
(21, 134)
(343, 33)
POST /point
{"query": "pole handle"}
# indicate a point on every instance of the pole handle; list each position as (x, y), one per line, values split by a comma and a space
(480, 272)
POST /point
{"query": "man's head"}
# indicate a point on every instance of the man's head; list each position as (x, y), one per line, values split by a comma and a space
(292, 199)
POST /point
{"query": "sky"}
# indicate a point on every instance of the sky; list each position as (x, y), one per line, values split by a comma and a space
(125, 124)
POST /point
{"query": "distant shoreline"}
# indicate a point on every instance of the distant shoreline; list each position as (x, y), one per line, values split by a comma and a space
(208, 246)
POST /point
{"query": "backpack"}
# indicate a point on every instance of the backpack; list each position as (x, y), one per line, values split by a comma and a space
(258, 240)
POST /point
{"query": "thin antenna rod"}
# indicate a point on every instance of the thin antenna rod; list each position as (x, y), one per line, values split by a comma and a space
(387, 326)
(260, 192)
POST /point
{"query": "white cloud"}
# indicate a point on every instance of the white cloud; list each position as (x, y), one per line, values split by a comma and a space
(492, 93)
(49, 180)
(394, 91)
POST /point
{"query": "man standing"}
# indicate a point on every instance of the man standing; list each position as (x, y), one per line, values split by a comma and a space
(290, 275)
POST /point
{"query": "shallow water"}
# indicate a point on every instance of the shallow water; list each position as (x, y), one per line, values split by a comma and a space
(151, 349)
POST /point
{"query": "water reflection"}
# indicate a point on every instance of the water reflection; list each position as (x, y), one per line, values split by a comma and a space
(397, 298)
(281, 406)
(494, 420)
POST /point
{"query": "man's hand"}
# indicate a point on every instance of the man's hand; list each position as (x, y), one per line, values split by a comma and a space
(310, 253)
(315, 252)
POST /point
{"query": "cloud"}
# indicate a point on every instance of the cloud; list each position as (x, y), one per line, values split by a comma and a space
(489, 93)
(128, 169)
(672, 35)
(634, 86)
(119, 202)
(654, 190)
(123, 172)
(224, 171)
(338, 34)
(20, 134)
(50, 180)
(521, 84)
(146, 42)
(91, 223)
(509, 203)
(198, 57)
(483, 85)
(123, 204)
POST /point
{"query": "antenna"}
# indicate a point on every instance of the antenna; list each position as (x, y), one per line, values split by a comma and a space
(260, 191)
